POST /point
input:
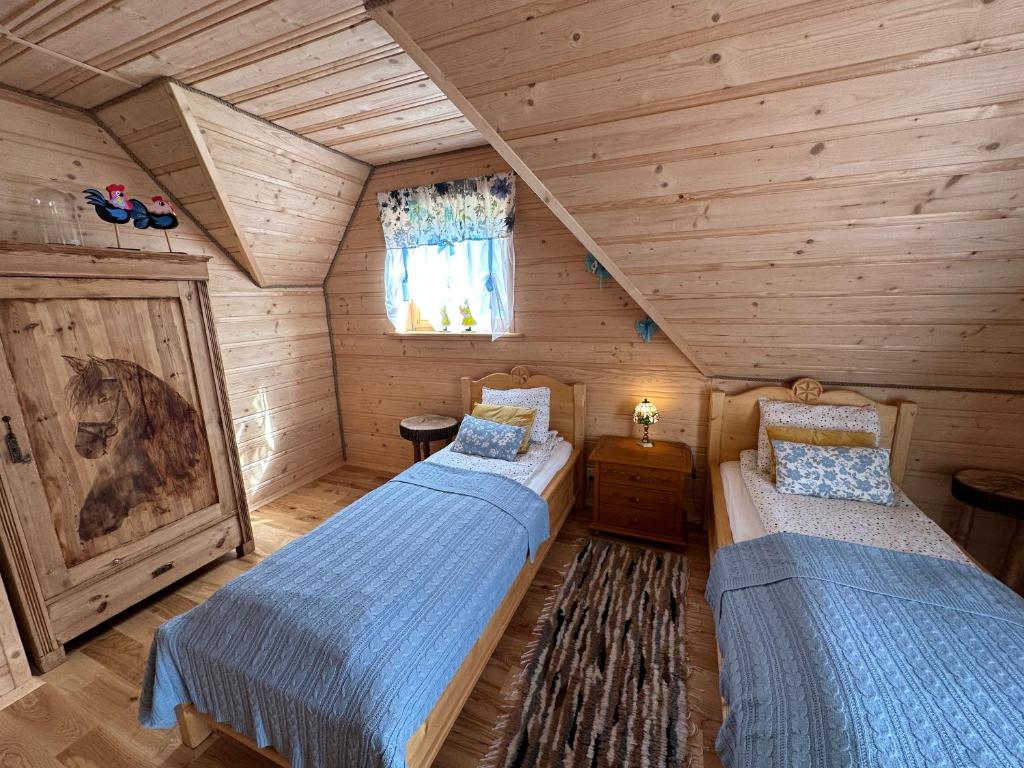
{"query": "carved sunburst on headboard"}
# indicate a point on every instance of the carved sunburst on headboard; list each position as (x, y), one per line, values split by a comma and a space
(807, 390)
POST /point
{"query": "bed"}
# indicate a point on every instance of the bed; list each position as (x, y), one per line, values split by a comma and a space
(557, 479)
(861, 636)
(732, 429)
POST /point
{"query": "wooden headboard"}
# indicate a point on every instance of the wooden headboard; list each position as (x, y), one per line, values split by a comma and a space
(734, 419)
(568, 401)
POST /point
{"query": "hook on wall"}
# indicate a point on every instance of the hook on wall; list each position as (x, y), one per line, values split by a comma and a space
(13, 449)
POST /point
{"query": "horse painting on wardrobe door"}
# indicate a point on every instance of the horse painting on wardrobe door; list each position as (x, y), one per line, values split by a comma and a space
(148, 441)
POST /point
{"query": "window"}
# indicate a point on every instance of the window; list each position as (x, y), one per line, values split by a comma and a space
(450, 260)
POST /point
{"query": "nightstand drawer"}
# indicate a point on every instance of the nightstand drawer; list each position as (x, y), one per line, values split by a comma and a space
(656, 521)
(630, 496)
(644, 477)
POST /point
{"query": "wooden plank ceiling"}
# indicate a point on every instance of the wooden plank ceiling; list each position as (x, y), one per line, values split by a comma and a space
(278, 203)
(823, 187)
(322, 69)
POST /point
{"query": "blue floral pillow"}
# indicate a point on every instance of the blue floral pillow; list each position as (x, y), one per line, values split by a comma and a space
(834, 472)
(479, 437)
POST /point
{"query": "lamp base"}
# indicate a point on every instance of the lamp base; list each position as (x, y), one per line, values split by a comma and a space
(645, 441)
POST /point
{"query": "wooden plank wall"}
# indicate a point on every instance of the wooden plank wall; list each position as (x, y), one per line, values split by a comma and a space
(277, 202)
(572, 328)
(46, 147)
(274, 343)
(277, 359)
(291, 197)
(578, 331)
(150, 123)
(830, 186)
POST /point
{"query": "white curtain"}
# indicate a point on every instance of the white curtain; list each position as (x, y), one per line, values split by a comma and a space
(442, 279)
(450, 253)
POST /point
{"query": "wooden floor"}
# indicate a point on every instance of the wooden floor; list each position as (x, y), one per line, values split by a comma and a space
(83, 715)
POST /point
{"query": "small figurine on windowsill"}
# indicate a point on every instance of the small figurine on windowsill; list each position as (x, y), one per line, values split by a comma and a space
(445, 320)
(467, 317)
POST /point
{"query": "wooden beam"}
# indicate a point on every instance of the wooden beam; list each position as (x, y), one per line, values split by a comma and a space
(5, 32)
(380, 12)
(244, 257)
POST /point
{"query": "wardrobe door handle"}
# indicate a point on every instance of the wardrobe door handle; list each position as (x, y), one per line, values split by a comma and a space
(13, 449)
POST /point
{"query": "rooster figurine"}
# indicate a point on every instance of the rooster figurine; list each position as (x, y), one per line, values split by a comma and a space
(116, 208)
(161, 215)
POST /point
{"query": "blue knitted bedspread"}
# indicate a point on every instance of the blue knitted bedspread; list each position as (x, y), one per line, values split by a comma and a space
(335, 648)
(838, 654)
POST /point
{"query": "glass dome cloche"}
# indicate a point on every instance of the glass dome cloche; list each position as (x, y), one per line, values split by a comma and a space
(54, 217)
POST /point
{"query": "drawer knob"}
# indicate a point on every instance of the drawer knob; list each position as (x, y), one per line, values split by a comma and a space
(635, 519)
(635, 499)
(635, 478)
(162, 569)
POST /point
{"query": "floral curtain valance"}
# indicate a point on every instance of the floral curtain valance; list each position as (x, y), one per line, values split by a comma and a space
(481, 208)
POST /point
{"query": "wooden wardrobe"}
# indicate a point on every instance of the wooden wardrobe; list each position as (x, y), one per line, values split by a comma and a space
(118, 472)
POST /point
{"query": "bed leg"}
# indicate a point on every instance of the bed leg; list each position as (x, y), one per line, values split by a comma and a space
(192, 726)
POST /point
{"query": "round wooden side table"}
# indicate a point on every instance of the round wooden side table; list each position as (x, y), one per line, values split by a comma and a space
(1003, 494)
(422, 430)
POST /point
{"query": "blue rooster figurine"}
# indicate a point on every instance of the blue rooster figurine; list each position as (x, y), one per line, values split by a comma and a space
(116, 208)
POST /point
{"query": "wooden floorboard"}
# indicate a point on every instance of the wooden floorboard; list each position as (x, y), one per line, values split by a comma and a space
(83, 716)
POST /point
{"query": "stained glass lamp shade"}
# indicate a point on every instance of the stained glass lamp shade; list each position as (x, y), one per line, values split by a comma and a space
(645, 414)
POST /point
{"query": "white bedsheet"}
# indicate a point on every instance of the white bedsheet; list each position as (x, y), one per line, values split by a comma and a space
(534, 469)
(902, 527)
(559, 456)
(743, 518)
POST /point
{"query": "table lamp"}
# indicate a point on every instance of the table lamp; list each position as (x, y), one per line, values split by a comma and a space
(646, 414)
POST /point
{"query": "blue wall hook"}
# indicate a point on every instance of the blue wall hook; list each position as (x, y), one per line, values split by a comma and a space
(594, 267)
(645, 329)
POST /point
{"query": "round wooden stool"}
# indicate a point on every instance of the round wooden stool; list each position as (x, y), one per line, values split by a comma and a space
(1003, 494)
(421, 430)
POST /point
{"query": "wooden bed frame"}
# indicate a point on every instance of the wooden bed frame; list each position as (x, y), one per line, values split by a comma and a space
(733, 423)
(568, 410)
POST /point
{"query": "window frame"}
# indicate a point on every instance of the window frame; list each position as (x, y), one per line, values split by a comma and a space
(417, 325)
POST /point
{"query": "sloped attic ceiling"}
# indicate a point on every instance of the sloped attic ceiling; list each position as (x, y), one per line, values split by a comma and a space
(278, 203)
(822, 188)
(322, 69)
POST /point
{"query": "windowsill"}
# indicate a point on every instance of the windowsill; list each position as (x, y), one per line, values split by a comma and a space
(450, 335)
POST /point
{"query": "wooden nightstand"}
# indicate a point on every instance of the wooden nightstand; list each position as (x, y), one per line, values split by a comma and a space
(639, 491)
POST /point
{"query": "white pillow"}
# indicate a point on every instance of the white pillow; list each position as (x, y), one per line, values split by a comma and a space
(782, 413)
(537, 399)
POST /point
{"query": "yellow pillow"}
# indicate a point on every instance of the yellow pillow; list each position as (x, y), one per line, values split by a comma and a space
(508, 414)
(812, 436)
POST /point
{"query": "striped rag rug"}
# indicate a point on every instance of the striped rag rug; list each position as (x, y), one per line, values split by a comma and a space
(603, 682)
